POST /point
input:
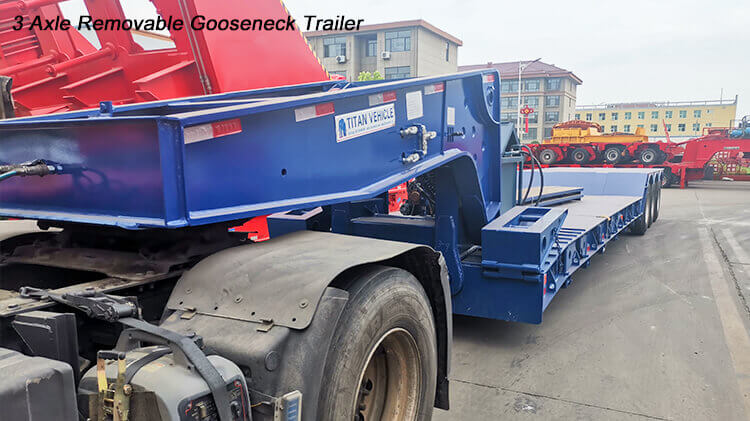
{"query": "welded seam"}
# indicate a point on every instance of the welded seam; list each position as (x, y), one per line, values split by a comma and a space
(538, 395)
(730, 269)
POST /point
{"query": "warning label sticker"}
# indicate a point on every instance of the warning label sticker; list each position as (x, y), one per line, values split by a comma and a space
(360, 123)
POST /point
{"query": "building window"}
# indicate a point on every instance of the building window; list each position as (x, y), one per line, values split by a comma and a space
(397, 41)
(602, 116)
(531, 135)
(614, 116)
(669, 127)
(613, 129)
(696, 113)
(552, 101)
(372, 48)
(553, 84)
(334, 46)
(509, 102)
(547, 132)
(447, 51)
(654, 128)
(681, 126)
(339, 72)
(668, 114)
(589, 116)
(628, 115)
(683, 114)
(696, 127)
(551, 116)
(508, 117)
(509, 86)
(578, 116)
(641, 115)
(531, 101)
(534, 117)
(640, 125)
(531, 85)
(654, 114)
(626, 128)
(708, 124)
(399, 72)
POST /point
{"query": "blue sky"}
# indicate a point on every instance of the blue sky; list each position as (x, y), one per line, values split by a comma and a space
(634, 50)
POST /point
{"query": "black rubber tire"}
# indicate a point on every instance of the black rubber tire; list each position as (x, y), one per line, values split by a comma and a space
(380, 299)
(580, 156)
(641, 224)
(648, 156)
(657, 202)
(651, 205)
(667, 179)
(547, 156)
(612, 155)
(661, 157)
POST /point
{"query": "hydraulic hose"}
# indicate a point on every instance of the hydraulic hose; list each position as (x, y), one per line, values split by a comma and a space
(534, 161)
(8, 174)
(38, 168)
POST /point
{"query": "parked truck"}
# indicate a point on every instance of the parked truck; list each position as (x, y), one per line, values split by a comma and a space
(132, 298)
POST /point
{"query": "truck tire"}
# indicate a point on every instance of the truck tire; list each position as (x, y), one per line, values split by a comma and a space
(652, 199)
(648, 156)
(612, 155)
(657, 202)
(382, 364)
(580, 156)
(641, 224)
(547, 156)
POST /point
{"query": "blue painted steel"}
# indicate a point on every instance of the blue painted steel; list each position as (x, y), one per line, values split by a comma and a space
(132, 166)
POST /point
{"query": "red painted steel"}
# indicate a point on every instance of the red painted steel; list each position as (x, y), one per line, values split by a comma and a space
(59, 70)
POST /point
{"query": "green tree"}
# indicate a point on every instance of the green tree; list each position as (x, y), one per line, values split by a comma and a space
(363, 76)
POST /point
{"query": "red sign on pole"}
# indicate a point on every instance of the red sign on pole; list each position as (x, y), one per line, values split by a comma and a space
(526, 111)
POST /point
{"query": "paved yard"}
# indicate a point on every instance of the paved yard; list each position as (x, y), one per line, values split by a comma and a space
(657, 328)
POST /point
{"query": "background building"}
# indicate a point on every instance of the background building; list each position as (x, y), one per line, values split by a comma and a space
(682, 119)
(549, 90)
(397, 50)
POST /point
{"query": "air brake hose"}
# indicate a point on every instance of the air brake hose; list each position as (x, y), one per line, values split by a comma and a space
(36, 168)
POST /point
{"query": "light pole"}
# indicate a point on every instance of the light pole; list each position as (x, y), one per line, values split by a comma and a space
(521, 67)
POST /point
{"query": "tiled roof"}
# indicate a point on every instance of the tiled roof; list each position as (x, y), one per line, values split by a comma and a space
(509, 69)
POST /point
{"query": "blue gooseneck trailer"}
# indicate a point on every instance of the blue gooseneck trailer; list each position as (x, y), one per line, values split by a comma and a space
(346, 311)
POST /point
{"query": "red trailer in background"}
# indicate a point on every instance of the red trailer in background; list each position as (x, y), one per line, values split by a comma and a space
(682, 162)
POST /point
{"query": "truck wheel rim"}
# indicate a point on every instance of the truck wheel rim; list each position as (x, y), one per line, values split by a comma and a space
(648, 156)
(391, 381)
(547, 156)
(612, 155)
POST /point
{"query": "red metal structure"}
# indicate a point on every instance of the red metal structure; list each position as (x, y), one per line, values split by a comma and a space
(687, 160)
(59, 70)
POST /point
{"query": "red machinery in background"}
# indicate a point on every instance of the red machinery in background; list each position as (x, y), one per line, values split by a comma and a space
(682, 162)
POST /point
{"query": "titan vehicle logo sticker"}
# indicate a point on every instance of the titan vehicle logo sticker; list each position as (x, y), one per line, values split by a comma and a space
(360, 123)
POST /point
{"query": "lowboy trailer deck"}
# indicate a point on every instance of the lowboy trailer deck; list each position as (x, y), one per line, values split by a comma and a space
(137, 301)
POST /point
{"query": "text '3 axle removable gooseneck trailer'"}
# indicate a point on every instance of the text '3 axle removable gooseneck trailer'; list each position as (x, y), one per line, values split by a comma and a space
(135, 301)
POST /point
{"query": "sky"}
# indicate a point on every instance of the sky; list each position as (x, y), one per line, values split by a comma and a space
(624, 51)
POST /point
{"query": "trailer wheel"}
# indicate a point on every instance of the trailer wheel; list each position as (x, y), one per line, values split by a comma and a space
(547, 156)
(650, 203)
(580, 156)
(612, 155)
(648, 156)
(657, 202)
(640, 225)
(383, 360)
